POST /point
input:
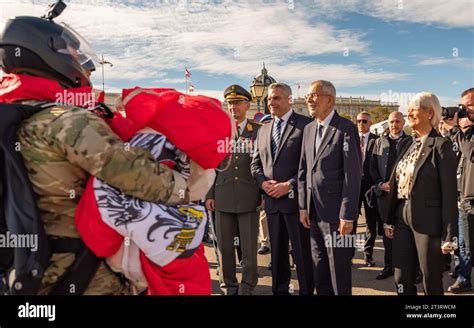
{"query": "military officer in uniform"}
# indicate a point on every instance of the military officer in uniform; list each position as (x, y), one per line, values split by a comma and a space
(235, 197)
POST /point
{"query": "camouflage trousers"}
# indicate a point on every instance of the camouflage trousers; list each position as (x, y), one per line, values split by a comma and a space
(105, 282)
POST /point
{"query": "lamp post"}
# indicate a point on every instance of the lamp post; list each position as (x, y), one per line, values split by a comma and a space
(259, 88)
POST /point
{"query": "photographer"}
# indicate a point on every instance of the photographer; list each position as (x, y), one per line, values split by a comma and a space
(458, 124)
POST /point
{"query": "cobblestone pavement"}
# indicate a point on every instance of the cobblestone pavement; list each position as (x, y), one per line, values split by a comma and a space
(363, 278)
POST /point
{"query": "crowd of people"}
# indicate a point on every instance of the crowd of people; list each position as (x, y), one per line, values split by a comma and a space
(119, 203)
(316, 172)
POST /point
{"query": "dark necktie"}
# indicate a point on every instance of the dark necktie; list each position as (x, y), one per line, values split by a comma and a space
(276, 136)
(319, 138)
(362, 149)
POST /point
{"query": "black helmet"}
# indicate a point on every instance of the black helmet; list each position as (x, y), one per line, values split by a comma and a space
(37, 45)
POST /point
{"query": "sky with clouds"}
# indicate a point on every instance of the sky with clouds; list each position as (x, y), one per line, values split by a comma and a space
(378, 49)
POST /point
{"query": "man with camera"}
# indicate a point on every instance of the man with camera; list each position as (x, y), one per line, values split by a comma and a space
(458, 125)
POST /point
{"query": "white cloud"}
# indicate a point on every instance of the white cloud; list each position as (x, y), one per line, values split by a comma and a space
(172, 81)
(435, 61)
(218, 94)
(231, 38)
(458, 61)
(448, 101)
(148, 41)
(451, 14)
(339, 75)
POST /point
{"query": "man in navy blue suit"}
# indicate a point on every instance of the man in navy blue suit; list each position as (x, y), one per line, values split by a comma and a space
(275, 168)
(329, 182)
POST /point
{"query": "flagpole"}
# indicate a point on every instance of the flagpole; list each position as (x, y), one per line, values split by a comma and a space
(186, 76)
(103, 79)
(103, 62)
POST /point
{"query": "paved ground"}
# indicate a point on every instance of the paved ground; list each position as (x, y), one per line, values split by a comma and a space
(363, 278)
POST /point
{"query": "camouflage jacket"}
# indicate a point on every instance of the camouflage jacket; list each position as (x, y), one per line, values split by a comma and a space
(62, 146)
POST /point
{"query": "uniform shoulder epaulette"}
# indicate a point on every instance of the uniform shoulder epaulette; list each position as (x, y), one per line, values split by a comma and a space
(251, 121)
(249, 126)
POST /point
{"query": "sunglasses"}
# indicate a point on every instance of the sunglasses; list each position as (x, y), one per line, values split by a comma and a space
(362, 121)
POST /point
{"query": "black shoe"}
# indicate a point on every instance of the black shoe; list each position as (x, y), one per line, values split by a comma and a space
(385, 273)
(459, 287)
(369, 261)
(419, 277)
(263, 250)
(270, 266)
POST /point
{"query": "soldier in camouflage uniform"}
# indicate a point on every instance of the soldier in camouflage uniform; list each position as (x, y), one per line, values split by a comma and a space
(63, 145)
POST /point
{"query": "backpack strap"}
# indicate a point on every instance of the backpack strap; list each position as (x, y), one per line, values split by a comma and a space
(21, 214)
(22, 217)
(78, 276)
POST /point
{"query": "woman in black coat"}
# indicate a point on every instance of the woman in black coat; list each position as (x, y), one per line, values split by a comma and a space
(422, 213)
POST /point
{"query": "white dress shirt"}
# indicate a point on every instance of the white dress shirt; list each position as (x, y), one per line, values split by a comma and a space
(242, 126)
(326, 121)
(284, 119)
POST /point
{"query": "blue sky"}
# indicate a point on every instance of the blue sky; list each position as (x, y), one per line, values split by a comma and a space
(367, 48)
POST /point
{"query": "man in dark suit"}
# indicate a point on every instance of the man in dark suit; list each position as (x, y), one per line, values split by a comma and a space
(328, 189)
(372, 217)
(235, 197)
(275, 167)
(381, 165)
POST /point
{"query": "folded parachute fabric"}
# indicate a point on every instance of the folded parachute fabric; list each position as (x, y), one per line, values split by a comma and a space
(197, 125)
(193, 132)
(168, 237)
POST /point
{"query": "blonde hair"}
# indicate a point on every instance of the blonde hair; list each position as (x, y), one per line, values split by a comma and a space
(427, 101)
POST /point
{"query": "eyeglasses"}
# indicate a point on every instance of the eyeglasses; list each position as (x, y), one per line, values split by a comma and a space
(362, 121)
(313, 96)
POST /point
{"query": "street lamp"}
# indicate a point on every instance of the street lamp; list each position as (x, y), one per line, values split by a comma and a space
(259, 88)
